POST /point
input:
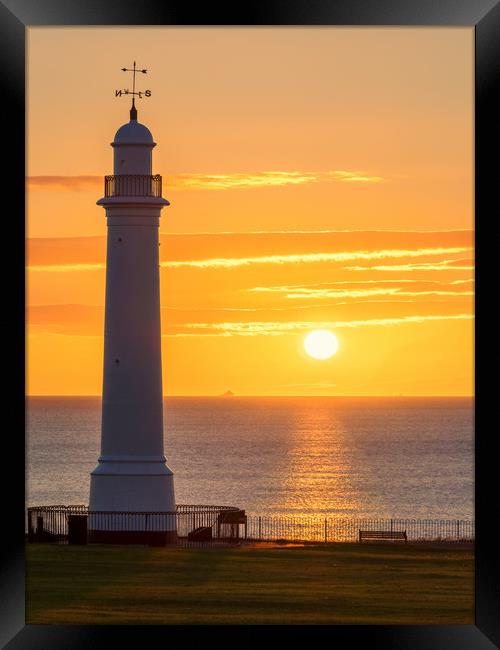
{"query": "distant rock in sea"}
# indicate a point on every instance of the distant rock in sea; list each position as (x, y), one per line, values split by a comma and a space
(228, 393)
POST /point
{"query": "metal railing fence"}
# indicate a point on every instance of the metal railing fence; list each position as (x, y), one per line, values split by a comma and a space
(133, 185)
(316, 528)
(50, 523)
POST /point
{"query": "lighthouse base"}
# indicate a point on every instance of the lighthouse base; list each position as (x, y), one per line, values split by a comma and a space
(132, 502)
(149, 538)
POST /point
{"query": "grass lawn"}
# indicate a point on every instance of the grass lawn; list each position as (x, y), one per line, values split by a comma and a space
(336, 584)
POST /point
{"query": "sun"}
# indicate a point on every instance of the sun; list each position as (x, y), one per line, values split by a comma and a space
(321, 344)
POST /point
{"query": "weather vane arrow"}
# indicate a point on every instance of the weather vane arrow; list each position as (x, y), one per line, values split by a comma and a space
(133, 92)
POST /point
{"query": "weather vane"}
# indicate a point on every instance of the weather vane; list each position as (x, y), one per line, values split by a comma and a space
(146, 93)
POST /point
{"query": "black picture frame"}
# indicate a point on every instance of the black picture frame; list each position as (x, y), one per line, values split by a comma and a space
(484, 17)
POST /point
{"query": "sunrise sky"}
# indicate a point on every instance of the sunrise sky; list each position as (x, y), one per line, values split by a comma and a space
(318, 178)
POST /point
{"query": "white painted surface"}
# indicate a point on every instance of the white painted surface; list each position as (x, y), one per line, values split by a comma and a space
(132, 474)
(133, 145)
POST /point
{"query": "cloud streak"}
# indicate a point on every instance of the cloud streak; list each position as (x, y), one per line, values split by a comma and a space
(64, 268)
(231, 262)
(64, 183)
(304, 292)
(267, 179)
(202, 246)
(276, 328)
(89, 318)
(301, 258)
(193, 181)
(445, 265)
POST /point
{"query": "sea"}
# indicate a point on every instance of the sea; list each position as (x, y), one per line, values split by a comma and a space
(359, 457)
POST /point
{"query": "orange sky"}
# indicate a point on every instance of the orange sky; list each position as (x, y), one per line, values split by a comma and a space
(318, 177)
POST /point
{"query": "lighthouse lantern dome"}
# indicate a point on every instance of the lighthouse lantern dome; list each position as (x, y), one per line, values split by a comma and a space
(133, 133)
(133, 146)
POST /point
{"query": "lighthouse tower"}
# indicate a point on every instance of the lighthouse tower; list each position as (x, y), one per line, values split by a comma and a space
(132, 475)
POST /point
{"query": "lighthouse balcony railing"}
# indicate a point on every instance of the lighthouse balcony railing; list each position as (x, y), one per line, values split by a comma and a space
(133, 185)
(52, 523)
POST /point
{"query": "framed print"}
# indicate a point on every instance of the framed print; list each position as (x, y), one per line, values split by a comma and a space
(281, 246)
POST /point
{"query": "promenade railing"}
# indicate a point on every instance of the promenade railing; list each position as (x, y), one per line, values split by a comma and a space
(50, 523)
(317, 528)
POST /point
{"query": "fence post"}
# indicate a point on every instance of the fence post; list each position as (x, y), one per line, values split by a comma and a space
(260, 527)
(39, 527)
(458, 529)
(391, 524)
(326, 531)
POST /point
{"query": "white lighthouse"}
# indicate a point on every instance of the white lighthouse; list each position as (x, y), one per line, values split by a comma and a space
(132, 475)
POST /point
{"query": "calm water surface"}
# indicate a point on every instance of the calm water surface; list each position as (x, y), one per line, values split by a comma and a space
(363, 457)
